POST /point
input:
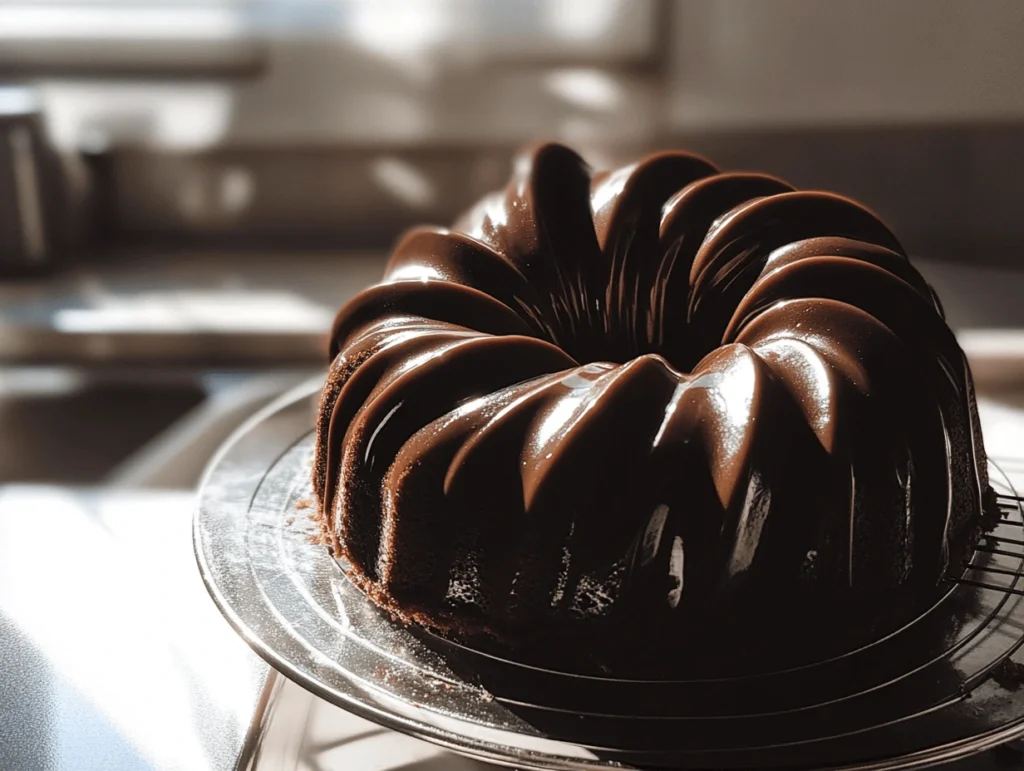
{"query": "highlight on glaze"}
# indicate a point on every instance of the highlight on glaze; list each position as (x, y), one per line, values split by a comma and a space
(644, 391)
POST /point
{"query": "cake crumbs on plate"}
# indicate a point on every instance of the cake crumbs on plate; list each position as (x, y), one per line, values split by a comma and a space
(1009, 675)
(303, 503)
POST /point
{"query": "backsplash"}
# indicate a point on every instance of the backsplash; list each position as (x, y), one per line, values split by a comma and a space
(949, 191)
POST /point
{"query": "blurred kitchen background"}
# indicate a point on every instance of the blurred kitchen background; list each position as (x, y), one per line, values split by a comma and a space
(189, 190)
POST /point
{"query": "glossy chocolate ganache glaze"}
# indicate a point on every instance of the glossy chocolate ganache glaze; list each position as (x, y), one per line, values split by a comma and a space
(647, 399)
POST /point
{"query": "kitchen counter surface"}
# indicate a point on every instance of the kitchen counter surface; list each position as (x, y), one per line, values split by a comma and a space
(194, 308)
(112, 655)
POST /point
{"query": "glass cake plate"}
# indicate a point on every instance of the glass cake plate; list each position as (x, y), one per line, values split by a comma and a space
(941, 688)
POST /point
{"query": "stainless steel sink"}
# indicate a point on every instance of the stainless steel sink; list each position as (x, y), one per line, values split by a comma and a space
(71, 426)
(134, 427)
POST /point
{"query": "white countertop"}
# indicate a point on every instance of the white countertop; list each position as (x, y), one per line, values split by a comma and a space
(113, 657)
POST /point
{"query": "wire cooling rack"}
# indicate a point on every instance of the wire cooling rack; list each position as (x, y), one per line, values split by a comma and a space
(940, 688)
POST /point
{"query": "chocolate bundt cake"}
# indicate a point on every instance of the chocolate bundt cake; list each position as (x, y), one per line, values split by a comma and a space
(653, 396)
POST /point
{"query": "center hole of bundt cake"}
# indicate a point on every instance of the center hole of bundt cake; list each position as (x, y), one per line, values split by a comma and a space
(601, 342)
